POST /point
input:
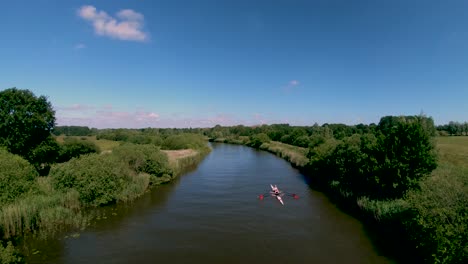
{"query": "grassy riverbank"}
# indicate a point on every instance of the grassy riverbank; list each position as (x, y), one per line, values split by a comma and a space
(121, 173)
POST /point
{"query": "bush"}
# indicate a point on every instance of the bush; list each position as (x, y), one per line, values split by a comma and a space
(258, 139)
(122, 175)
(73, 148)
(439, 225)
(44, 155)
(184, 141)
(9, 255)
(16, 176)
(354, 164)
(97, 178)
(382, 166)
(143, 159)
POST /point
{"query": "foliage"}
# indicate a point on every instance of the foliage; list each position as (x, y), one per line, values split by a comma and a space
(143, 159)
(73, 147)
(293, 154)
(258, 139)
(25, 121)
(74, 131)
(440, 215)
(184, 141)
(382, 165)
(9, 255)
(48, 212)
(406, 155)
(145, 136)
(103, 179)
(44, 155)
(16, 176)
(454, 128)
(97, 178)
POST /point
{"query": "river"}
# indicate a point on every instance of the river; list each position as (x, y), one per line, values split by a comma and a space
(212, 215)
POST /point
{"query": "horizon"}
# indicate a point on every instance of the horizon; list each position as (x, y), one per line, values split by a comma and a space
(183, 64)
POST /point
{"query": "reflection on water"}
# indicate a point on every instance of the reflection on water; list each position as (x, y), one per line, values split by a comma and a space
(212, 215)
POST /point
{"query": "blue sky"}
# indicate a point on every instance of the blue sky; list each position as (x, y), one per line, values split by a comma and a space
(201, 63)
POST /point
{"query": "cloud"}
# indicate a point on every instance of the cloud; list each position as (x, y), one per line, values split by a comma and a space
(127, 25)
(291, 84)
(75, 107)
(107, 116)
(80, 46)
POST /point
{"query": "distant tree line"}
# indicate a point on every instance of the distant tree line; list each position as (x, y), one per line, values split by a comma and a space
(453, 129)
(74, 131)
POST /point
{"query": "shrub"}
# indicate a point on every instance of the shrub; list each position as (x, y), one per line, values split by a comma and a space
(16, 176)
(184, 141)
(73, 148)
(44, 155)
(439, 225)
(258, 139)
(97, 178)
(122, 175)
(143, 159)
(9, 255)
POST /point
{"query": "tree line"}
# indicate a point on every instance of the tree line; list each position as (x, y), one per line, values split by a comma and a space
(453, 128)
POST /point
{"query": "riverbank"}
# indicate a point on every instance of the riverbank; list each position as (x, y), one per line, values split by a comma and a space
(56, 203)
(427, 225)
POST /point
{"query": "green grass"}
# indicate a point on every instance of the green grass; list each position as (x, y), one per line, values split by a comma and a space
(103, 144)
(440, 225)
(295, 155)
(43, 209)
(453, 150)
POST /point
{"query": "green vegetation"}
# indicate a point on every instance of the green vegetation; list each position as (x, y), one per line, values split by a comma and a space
(295, 155)
(409, 186)
(121, 175)
(395, 175)
(8, 254)
(16, 176)
(74, 131)
(26, 125)
(44, 210)
(73, 148)
(453, 129)
(81, 170)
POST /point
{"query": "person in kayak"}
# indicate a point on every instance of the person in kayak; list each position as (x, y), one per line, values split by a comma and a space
(275, 190)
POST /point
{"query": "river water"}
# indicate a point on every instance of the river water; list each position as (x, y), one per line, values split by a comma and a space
(212, 215)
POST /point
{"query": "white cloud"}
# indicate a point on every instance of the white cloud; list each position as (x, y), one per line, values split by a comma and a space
(128, 14)
(80, 46)
(291, 84)
(127, 25)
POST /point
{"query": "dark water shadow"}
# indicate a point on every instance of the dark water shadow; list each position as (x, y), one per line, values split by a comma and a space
(388, 241)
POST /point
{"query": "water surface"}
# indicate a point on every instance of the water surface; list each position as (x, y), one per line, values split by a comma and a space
(212, 215)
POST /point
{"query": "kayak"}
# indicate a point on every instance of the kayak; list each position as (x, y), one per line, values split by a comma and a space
(280, 199)
(278, 195)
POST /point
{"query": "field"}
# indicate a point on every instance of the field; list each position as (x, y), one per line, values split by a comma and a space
(103, 144)
(453, 150)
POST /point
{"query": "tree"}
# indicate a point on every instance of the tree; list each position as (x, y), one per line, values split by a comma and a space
(26, 121)
(406, 154)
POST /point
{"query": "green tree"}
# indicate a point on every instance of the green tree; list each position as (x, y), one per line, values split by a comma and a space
(72, 148)
(257, 140)
(406, 154)
(25, 121)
